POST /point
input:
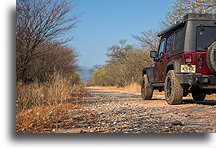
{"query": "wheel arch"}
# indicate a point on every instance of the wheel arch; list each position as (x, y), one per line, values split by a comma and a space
(169, 67)
(173, 65)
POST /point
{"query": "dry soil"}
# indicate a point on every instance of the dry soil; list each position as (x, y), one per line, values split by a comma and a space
(114, 111)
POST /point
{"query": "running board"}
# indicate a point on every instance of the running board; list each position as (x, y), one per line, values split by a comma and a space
(158, 85)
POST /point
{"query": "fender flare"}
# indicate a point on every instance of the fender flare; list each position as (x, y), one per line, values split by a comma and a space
(149, 72)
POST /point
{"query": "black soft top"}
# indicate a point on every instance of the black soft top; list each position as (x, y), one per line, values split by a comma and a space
(188, 17)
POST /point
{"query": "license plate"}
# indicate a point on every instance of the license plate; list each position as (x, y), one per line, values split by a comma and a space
(188, 68)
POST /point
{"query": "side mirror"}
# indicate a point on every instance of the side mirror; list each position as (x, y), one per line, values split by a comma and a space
(153, 54)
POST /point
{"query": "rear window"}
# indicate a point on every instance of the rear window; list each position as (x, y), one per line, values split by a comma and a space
(179, 41)
(205, 37)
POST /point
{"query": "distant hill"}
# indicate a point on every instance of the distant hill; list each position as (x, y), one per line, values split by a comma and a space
(84, 73)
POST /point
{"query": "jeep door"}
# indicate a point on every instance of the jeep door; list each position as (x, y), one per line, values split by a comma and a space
(159, 63)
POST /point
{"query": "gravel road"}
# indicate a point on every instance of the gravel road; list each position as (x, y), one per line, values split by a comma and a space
(114, 111)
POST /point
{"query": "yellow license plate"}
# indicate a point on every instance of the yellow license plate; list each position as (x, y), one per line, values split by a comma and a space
(188, 68)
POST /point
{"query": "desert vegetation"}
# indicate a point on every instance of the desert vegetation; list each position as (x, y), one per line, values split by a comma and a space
(123, 67)
(47, 83)
(40, 46)
(40, 105)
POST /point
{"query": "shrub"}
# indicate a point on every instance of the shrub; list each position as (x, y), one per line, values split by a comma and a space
(44, 105)
(55, 91)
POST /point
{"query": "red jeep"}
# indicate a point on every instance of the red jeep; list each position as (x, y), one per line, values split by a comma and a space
(185, 60)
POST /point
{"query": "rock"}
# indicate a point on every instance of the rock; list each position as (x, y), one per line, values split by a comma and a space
(176, 122)
(82, 131)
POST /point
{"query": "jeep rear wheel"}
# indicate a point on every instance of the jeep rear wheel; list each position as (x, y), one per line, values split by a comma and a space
(173, 89)
(198, 95)
(146, 89)
(211, 57)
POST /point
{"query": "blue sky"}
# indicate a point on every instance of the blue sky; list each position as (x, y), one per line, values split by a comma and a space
(104, 22)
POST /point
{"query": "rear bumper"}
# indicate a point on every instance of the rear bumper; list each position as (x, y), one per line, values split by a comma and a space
(203, 81)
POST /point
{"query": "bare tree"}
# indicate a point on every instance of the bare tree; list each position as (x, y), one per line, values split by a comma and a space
(37, 22)
(182, 7)
(55, 58)
(118, 52)
(149, 40)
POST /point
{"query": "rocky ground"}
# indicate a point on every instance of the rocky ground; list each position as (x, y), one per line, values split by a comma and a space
(113, 111)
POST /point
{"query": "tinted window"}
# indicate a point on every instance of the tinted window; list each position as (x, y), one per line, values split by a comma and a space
(160, 51)
(205, 37)
(179, 41)
(169, 43)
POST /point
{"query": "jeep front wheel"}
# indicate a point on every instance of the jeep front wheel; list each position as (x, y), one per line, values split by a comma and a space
(173, 89)
(146, 89)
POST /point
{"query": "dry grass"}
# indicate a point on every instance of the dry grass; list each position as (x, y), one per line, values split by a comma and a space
(37, 119)
(211, 97)
(57, 90)
(134, 87)
(40, 105)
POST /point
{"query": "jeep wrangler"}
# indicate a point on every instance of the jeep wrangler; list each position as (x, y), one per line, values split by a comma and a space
(185, 60)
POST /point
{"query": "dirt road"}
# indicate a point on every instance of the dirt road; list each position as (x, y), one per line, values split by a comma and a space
(113, 111)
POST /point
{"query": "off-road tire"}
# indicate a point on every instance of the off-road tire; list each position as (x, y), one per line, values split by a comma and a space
(146, 88)
(211, 57)
(173, 89)
(198, 95)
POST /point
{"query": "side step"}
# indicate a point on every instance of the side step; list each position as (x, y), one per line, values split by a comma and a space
(158, 85)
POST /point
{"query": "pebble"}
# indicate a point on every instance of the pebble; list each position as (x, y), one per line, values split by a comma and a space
(82, 131)
(177, 122)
